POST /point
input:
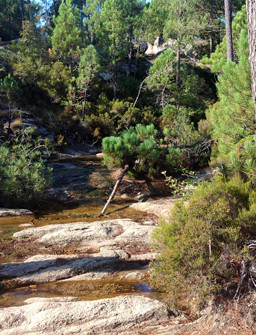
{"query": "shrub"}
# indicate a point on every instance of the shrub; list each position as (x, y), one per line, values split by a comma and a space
(141, 149)
(203, 239)
(22, 170)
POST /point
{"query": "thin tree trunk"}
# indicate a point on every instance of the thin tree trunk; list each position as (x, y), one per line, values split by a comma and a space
(211, 42)
(29, 11)
(118, 182)
(251, 17)
(84, 102)
(140, 88)
(178, 66)
(9, 119)
(22, 11)
(129, 70)
(228, 19)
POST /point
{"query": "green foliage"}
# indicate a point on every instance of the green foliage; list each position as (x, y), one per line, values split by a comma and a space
(9, 87)
(10, 19)
(55, 79)
(233, 116)
(111, 117)
(139, 148)
(162, 76)
(177, 126)
(241, 160)
(30, 53)
(218, 59)
(22, 170)
(66, 38)
(92, 10)
(184, 184)
(115, 32)
(88, 67)
(184, 22)
(201, 238)
(155, 16)
(188, 93)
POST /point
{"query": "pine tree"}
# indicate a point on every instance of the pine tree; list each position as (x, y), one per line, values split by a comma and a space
(184, 24)
(218, 59)
(233, 116)
(66, 39)
(30, 54)
(251, 15)
(155, 16)
(88, 66)
(10, 19)
(115, 35)
(162, 77)
(92, 11)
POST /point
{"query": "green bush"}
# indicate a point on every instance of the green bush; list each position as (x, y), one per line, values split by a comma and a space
(141, 149)
(22, 170)
(203, 239)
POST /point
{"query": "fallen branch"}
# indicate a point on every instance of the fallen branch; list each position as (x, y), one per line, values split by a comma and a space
(118, 182)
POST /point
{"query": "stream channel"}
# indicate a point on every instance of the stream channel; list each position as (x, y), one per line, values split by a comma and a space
(85, 184)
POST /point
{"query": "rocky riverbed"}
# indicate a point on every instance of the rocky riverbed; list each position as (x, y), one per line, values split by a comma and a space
(107, 252)
(70, 272)
(115, 250)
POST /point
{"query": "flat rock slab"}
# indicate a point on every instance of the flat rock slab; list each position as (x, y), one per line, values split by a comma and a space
(50, 268)
(14, 212)
(98, 233)
(160, 207)
(69, 316)
(110, 240)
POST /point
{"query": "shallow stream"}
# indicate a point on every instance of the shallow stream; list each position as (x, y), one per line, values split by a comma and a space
(87, 183)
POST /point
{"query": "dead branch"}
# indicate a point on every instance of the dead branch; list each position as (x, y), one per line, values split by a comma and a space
(118, 182)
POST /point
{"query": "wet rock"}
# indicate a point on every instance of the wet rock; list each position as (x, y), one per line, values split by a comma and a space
(66, 316)
(14, 212)
(58, 194)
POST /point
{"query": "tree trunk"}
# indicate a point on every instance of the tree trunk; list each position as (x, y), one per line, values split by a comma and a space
(83, 104)
(251, 17)
(211, 42)
(228, 19)
(178, 66)
(22, 11)
(29, 10)
(129, 69)
(118, 182)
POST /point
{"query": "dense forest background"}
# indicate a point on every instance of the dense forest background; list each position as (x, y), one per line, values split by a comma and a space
(163, 86)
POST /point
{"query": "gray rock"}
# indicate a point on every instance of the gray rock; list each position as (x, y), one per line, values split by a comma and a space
(108, 237)
(68, 316)
(50, 268)
(96, 233)
(160, 207)
(14, 212)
